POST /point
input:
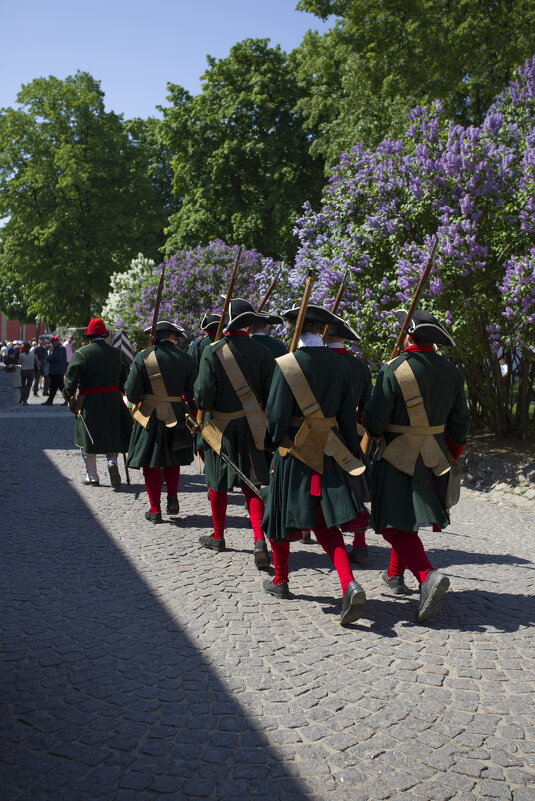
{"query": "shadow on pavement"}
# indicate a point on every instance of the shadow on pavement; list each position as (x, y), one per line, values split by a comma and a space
(105, 695)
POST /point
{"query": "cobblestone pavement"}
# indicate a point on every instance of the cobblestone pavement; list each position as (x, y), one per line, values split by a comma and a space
(136, 665)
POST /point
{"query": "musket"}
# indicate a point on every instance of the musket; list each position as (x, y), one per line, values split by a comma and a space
(157, 307)
(270, 289)
(302, 310)
(228, 298)
(195, 428)
(412, 308)
(224, 312)
(366, 440)
(337, 300)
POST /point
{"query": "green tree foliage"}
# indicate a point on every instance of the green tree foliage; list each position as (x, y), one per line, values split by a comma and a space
(74, 189)
(242, 167)
(385, 56)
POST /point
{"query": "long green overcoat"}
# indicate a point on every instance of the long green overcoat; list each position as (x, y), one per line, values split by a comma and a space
(196, 348)
(399, 500)
(276, 347)
(214, 390)
(361, 378)
(105, 415)
(289, 505)
(156, 445)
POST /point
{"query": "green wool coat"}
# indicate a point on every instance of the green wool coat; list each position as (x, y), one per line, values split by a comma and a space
(361, 378)
(214, 390)
(276, 347)
(157, 445)
(398, 500)
(196, 348)
(289, 505)
(106, 416)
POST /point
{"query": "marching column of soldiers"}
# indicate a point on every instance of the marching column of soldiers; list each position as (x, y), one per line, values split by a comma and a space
(285, 428)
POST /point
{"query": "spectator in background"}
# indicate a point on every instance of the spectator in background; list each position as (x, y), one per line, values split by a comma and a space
(3, 352)
(27, 362)
(40, 353)
(68, 347)
(504, 369)
(57, 367)
(11, 359)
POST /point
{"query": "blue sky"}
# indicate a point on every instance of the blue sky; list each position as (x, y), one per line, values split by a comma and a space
(135, 47)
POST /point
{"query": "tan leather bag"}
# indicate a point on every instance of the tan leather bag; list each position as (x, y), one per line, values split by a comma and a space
(418, 437)
(315, 437)
(158, 400)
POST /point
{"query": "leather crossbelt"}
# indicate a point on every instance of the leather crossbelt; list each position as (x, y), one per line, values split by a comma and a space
(252, 410)
(158, 400)
(315, 438)
(418, 437)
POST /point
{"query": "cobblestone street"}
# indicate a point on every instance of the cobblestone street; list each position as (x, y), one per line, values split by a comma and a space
(137, 665)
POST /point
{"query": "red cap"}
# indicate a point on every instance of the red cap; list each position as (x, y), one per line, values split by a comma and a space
(96, 326)
(54, 339)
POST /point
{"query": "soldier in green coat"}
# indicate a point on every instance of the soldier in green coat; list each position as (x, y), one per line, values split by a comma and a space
(209, 325)
(236, 364)
(361, 380)
(103, 424)
(418, 408)
(258, 332)
(159, 385)
(314, 433)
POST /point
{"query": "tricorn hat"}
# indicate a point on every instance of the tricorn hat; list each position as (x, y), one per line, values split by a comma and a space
(241, 314)
(425, 326)
(343, 331)
(166, 325)
(210, 321)
(96, 327)
(314, 314)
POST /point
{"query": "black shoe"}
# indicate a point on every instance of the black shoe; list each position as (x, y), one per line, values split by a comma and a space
(352, 603)
(213, 543)
(115, 476)
(395, 584)
(153, 517)
(305, 536)
(173, 507)
(47, 403)
(278, 590)
(46, 393)
(261, 555)
(36, 394)
(431, 591)
(92, 482)
(359, 555)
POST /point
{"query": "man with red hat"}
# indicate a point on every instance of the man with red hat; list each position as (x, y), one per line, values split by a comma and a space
(103, 424)
(418, 408)
(57, 365)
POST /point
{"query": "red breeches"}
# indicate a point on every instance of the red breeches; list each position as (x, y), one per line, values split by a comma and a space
(407, 553)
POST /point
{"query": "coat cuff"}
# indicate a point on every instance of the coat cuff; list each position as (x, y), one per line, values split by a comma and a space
(454, 448)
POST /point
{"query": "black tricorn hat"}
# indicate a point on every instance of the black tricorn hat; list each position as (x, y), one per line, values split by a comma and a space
(166, 325)
(425, 326)
(241, 314)
(344, 331)
(210, 321)
(314, 314)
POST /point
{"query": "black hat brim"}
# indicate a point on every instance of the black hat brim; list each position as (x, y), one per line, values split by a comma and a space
(314, 314)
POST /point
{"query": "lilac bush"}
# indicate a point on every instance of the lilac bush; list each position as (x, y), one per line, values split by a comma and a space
(194, 282)
(474, 188)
